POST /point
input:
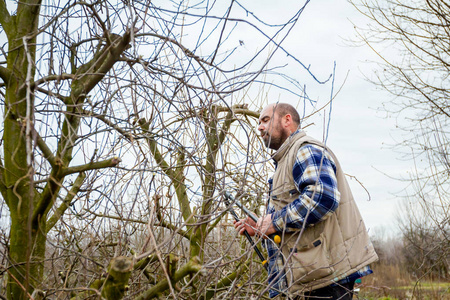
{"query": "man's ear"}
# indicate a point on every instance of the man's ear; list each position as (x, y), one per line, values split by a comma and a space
(287, 120)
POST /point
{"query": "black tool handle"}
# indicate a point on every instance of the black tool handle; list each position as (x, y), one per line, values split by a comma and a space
(275, 237)
(247, 235)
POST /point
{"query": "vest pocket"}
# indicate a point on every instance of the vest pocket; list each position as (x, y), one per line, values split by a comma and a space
(310, 262)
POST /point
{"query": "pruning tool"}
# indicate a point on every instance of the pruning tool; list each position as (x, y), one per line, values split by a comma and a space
(275, 238)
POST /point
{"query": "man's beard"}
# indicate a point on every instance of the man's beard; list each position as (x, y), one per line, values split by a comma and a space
(275, 142)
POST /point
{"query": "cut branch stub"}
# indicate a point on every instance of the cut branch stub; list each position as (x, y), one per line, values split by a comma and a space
(119, 271)
(190, 268)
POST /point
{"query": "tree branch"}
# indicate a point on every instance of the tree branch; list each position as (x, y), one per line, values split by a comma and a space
(235, 109)
(217, 221)
(224, 282)
(119, 272)
(103, 118)
(48, 154)
(142, 263)
(63, 76)
(59, 212)
(239, 109)
(154, 149)
(3, 189)
(176, 176)
(54, 184)
(4, 72)
(191, 267)
(5, 17)
(112, 162)
(162, 223)
(87, 77)
(95, 70)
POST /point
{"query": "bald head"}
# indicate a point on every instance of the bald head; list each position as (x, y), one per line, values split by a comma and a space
(283, 109)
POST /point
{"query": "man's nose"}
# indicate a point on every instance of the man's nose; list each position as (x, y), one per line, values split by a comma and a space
(260, 127)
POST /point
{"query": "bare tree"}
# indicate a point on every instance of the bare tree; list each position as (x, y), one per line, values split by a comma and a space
(412, 39)
(123, 123)
(425, 247)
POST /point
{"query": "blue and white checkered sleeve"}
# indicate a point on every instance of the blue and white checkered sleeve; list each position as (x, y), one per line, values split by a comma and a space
(314, 174)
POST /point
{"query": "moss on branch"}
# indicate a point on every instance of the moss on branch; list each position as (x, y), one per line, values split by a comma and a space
(224, 282)
(112, 162)
(191, 267)
(142, 264)
(116, 283)
(66, 202)
(5, 17)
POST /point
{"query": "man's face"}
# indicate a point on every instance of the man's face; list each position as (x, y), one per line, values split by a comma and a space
(270, 126)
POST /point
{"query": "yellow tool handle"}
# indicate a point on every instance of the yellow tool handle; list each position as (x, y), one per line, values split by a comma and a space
(277, 239)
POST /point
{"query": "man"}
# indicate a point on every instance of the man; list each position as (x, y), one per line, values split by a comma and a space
(324, 243)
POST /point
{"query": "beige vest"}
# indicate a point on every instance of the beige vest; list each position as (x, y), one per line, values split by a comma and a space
(324, 253)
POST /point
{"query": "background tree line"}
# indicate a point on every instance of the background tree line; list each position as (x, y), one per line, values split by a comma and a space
(412, 41)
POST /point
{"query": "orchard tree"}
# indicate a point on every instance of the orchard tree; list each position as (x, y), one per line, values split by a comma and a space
(425, 246)
(123, 122)
(412, 40)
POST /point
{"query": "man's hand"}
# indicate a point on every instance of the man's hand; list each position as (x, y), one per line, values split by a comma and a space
(265, 226)
(245, 224)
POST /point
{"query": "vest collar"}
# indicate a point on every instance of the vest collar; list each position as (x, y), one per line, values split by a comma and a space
(278, 155)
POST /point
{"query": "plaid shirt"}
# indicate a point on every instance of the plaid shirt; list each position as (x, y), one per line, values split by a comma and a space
(315, 179)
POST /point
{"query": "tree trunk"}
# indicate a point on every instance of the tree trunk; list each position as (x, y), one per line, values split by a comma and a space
(27, 240)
